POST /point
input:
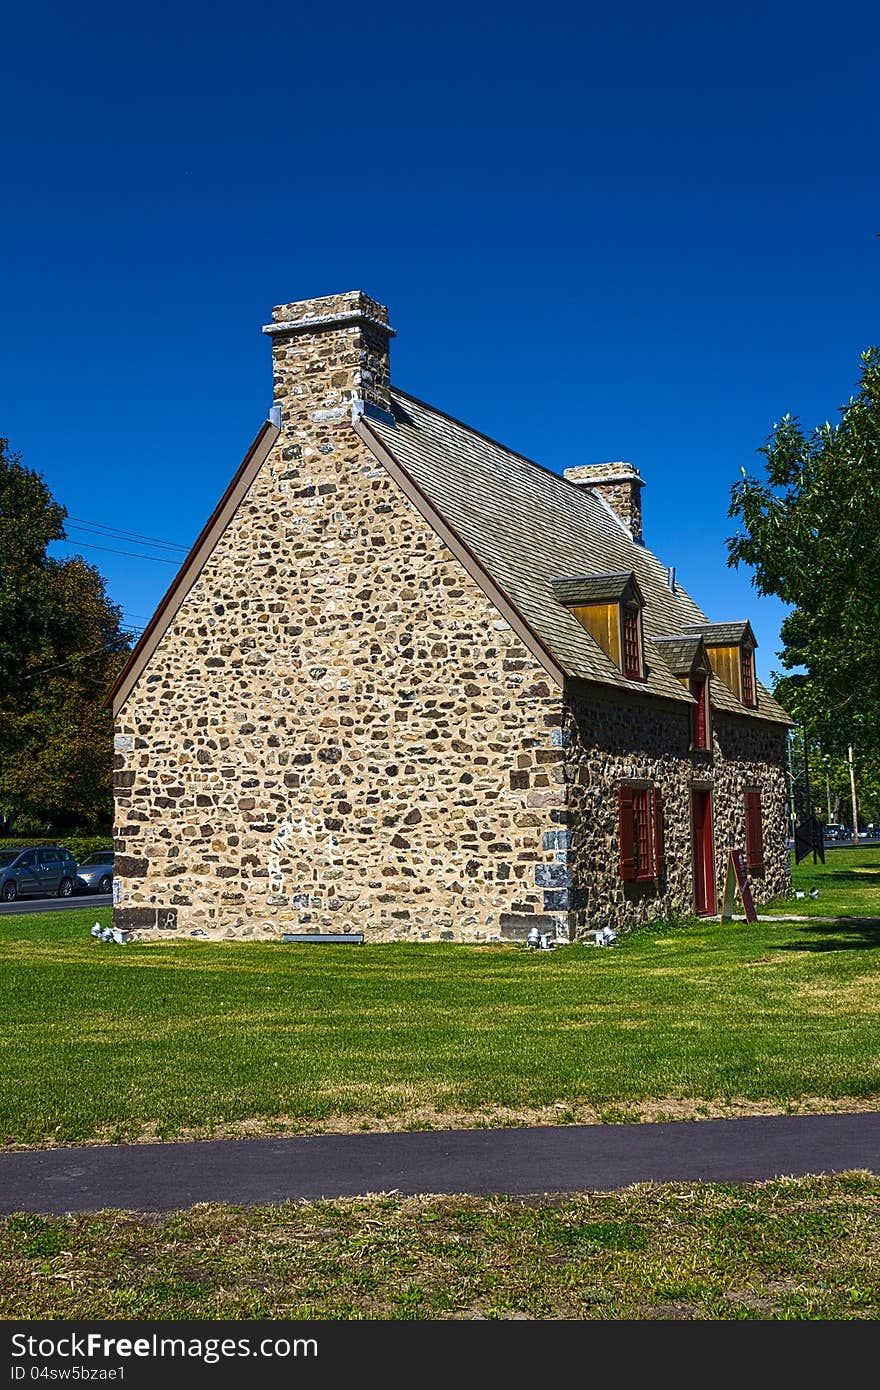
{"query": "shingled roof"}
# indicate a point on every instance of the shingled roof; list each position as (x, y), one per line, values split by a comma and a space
(526, 526)
(680, 653)
(576, 589)
(724, 634)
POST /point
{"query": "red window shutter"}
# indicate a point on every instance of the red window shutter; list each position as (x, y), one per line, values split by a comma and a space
(698, 690)
(754, 831)
(626, 805)
(659, 835)
(748, 677)
(632, 644)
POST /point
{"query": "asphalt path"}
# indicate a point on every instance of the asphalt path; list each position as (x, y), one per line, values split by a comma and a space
(576, 1158)
(86, 901)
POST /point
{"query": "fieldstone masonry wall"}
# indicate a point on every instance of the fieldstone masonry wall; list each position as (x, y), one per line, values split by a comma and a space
(338, 731)
(610, 742)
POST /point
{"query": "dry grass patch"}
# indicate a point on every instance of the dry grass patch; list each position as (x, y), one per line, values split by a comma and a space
(804, 1249)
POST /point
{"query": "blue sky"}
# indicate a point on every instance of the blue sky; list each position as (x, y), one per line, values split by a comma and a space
(644, 234)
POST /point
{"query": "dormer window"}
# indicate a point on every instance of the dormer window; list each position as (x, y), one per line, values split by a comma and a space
(687, 658)
(610, 607)
(731, 649)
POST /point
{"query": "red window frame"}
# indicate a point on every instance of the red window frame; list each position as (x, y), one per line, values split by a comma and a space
(754, 831)
(642, 851)
(700, 715)
(747, 673)
(632, 643)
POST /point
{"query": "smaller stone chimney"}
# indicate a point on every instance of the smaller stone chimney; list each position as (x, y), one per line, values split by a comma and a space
(618, 484)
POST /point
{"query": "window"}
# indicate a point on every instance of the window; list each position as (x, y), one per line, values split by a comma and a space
(641, 833)
(632, 644)
(754, 831)
(747, 667)
(700, 714)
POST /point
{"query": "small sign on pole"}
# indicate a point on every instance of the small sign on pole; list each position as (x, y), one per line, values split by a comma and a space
(737, 880)
(808, 837)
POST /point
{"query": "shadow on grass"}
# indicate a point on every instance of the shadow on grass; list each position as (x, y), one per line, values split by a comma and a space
(857, 934)
(845, 878)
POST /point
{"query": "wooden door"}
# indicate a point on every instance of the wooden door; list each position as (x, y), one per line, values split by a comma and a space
(704, 852)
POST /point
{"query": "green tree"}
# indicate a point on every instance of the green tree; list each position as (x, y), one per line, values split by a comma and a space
(810, 532)
(61, 644)
(829, 767)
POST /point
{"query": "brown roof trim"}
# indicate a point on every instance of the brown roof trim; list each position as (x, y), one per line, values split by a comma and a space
(192, 566)
(460, 549)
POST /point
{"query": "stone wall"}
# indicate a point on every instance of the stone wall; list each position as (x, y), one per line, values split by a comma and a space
(631, 739)
(750, 756)
(338, 731)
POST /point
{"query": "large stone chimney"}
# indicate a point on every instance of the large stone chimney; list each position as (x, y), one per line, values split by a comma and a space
(328, 352)
(618, 484)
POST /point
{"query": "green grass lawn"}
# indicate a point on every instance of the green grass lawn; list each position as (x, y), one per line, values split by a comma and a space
(805, 1249)
(158, 1040)
(848, 884)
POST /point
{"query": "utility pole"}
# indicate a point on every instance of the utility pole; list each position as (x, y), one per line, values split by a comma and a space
(852, 785)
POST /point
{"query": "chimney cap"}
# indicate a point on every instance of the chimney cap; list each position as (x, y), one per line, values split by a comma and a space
(615, 471)
(331, 311)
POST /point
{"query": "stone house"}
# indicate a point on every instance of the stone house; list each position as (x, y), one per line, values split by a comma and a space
(412, 684)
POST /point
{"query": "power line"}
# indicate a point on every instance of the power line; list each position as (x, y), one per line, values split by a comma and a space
(78, 656)
(126, 535)
(111, 550)
(110, 536)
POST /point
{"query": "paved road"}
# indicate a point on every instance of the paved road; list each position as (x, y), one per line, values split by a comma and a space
(161, 1177)
(844, 844)
(85, 901)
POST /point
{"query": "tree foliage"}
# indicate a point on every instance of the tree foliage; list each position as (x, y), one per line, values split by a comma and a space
(831, 795)
(810, 530)
(61, 645)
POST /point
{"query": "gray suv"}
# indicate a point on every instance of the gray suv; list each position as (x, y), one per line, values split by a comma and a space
(38, 873)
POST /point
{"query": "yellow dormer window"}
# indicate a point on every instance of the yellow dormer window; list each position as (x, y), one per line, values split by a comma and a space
(609, 607)
(731, 649)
